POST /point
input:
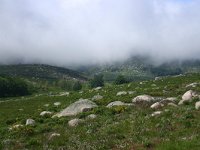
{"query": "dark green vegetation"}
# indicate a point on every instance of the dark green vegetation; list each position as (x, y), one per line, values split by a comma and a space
(43, 78)
(117, 128)
(36, 71)
(97, 81)
(10, 87)
(120, 80)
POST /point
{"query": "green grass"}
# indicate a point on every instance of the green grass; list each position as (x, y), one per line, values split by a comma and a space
(116, 128)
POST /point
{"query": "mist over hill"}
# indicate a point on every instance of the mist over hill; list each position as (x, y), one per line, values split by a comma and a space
(76, 32)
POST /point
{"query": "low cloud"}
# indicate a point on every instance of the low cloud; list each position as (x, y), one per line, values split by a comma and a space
(67, 32)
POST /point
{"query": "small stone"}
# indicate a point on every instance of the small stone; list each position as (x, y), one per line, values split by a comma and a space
(53, 135)
(74, 122)
(91, 116)
(64, 94)
(197, 105)
(44, 113)
(97, 97)
(57, 103)
(118, 103)
(98, 88)
(121, 93)
(46, 105)
(17, 126)
(157, 105)
(131, 92)
(193, 85)
(143, 98)
(157, 113)
(30, 122)
(172, 104)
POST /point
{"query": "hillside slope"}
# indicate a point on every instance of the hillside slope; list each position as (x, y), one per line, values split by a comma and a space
(40, 71)
(140, 68)
(120, 127)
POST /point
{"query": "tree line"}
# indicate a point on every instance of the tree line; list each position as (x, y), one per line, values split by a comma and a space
(10, 87)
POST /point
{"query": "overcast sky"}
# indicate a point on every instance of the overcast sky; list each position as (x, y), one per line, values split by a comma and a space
(65, 32)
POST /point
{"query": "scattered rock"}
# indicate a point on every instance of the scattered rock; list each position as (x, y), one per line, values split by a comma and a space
(64, 94)
(118, 103)
(173, 99)
(131, 92)
(82, 105)
(97, 97)
(197, 105)
(154, 85)
(17, 126)
(53, 135)
(121, 93)
(30, 122)
(157, 105)
(172, 104)
(143, 98)
(157, 78)
(7, 142)
(74, 122)
(156, 113)
(46, 105)
(44, 113)
(129, 85)
(193, 85)
(91, 116)
(166, 101)
(57, 103)
(98, 88)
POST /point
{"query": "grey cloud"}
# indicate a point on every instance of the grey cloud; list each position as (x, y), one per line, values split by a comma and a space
(66, 32)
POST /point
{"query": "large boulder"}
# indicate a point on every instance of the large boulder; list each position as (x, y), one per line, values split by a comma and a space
(80, 106)
(143, 98)
(188, 95)
(117, 103)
